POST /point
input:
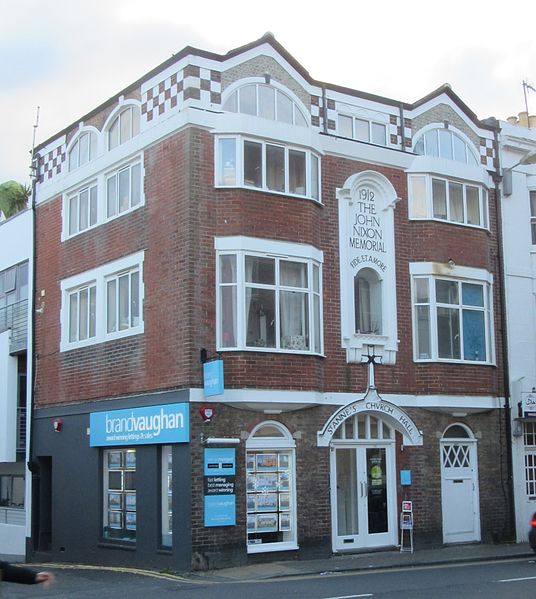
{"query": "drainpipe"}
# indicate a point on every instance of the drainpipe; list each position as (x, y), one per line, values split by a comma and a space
(402, 132)
(497, 178)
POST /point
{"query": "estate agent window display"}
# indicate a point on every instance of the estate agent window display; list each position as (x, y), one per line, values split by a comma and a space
(119, 513)
(270, 489)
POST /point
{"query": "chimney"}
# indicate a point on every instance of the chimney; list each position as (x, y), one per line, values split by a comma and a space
(512, 120)
(532, 121)
(523, 119)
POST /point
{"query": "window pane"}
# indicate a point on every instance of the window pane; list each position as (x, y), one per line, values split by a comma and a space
(315, 192)
(293, 274)
(260, 270)
(22, 281)
(448, 333)
(115, 480)
(73, 317)
(294, 318)
(135, 299)
(472, 294)
(473, 206)
(432, 147)
(73, 156)
(125, 119)
(417, 204)
(228, 316)
(296, 165)
(275, 168)
(378, 132)
(248, 99)
(422, 294)
(299, 119)
(456, 202)
(445, 143)
(92, 311)
(266, 102)
(474, 335)
(361, 130)
(84, 210)
(113, 136)
(345, 126)
(135, 121)
(231, 104)
(111, 196)
(284, 108)
(316, 323)
(136, 184)
(227, 162)
(93, 206)
(252, 164)
(83, 315)
(84, 149)
(316, 278)
(111, 306)
(447, 292)
(439, 195)
(73, 215)
(124, 189)
(260, 324)
(459, 149)
(423, 332)
(228, 268)
(123, 302)
(419, 147)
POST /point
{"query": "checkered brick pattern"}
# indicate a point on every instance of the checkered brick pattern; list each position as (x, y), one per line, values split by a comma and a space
(317, 113)
(190, 83)
(395, 131)
(487, 153)
(50, 163)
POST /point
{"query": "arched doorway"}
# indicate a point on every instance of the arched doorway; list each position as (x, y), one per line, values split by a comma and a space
(459, 485)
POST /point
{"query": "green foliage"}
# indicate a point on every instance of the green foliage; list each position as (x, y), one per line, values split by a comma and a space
(13, 197)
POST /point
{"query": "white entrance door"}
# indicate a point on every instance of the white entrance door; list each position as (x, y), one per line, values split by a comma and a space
(459, 491)
(362, 496)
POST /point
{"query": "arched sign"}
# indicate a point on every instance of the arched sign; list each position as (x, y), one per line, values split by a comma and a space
(372, 403)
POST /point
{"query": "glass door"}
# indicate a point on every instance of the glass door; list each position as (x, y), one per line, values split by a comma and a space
(363, 497)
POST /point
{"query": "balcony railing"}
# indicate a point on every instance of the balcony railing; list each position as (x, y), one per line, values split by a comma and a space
(21, 429)
(15, 317)
(13, 516)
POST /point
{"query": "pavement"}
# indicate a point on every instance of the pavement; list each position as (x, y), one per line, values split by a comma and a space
(370, 561)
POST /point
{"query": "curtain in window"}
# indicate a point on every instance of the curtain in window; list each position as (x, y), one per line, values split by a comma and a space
(293, 306)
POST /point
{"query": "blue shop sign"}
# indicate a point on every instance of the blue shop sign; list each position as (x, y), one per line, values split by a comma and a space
(220, 460)
(213, 377)
(140, 426)
(220, 510)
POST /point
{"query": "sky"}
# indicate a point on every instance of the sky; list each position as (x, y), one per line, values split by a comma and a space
(69, 56)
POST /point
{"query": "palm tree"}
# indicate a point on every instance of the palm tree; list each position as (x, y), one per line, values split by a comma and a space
(13, 197)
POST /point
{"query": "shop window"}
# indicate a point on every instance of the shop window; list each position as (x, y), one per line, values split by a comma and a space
(270, 489)
(167, 496)
(267, 302)
(11, 491)
(119, 494)
(452, 319)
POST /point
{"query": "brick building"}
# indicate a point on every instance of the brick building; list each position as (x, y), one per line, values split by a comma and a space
(336, 250)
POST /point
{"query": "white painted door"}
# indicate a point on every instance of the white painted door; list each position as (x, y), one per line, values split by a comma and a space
(459, 491)
(363, 496)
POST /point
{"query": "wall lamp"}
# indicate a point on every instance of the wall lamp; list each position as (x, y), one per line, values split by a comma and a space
(529, 158)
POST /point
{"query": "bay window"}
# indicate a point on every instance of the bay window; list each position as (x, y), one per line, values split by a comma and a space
(452, 319)
(269, 166)
(268, 301)
(439, 198)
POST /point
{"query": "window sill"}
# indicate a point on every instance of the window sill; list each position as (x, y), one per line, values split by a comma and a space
(459, 362)
(108, 544)
(272, 350)
(272, 192)
(271, 547)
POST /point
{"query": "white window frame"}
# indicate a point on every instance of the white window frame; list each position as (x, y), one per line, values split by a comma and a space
(426, 205)
(99, 277)
(90, 316)
(532, 208)
(76, 196)
(223, 176)
(471, 156)
(281, 444)
(458, 274)
(101, 184)
(370, 122)
(117, 174)
(74, 159)
(277, 250)
(133, 113)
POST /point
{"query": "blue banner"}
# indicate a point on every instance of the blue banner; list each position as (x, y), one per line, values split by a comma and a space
(140, 426)
(220, 460)
(213, 377)
(220, 510)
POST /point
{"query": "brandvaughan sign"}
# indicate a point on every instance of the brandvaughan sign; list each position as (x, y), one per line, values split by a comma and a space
(140, 426)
